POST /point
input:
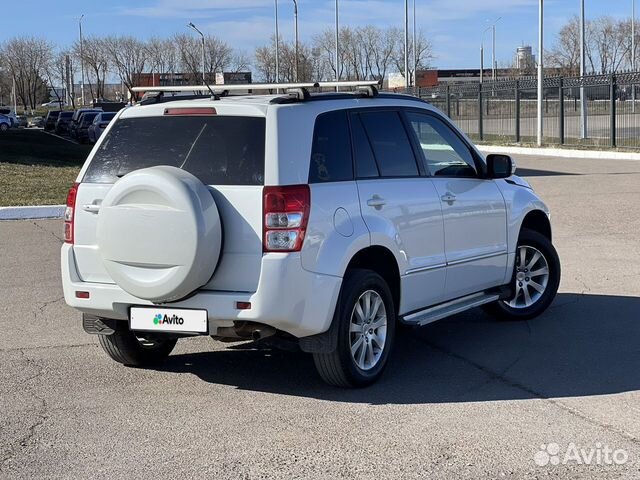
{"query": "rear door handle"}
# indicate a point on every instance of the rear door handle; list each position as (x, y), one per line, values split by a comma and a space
(376, 202)
(448, 197)
(91, 208)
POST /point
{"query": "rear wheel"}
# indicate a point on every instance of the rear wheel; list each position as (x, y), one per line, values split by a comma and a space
(366, 329)
(535, 282)
(127, 348)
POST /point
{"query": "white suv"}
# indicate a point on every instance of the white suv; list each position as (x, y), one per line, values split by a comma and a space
(326, 220)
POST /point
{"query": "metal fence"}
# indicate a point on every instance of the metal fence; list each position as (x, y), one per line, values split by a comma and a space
(506, 110)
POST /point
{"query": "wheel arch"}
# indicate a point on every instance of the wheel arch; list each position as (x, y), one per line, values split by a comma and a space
(538, 221)
(383, 262)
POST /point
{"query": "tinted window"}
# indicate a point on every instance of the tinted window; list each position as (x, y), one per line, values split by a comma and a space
(390, 144)
(88, 117)
(105, 117)
(446, 155)
(365, 161)
(331, 150)
(66, 114)
(218, 150)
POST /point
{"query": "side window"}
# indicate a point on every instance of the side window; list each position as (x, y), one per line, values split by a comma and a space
(445, 153)
(331, 151)
(365, 161)
(390, 143)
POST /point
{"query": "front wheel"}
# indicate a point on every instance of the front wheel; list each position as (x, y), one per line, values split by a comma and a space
(366, 322)
(535, 280)
(127, 348)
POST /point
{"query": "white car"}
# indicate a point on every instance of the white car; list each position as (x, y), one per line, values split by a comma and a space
(54, 105)
(325, 220)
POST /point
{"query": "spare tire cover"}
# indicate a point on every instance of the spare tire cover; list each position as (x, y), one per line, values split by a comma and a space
(159, 233)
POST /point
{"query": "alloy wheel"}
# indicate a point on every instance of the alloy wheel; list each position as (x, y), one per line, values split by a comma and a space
(531, 277)
(368, 330)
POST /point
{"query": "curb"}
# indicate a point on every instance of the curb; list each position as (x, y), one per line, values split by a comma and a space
(561, 152)
(31, 212)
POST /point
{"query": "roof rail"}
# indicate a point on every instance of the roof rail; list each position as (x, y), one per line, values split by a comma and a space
(257, 86)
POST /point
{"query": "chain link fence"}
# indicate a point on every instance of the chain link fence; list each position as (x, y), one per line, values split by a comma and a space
(506, 110)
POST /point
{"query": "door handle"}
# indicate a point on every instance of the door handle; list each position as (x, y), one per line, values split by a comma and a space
(91, 208)
(449, 198)
(376, 202)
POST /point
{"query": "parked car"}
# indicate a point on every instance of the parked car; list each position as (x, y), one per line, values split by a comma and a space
(10, 114)
(5, 123)
(100, 122)
(62, 122)
(84, 122)
(22, 121)
(320, 219)
(50, 120)
(54, 104)
(75, 120)
(36, 122)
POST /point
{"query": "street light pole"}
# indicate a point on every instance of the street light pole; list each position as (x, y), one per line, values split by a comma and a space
(583, 103)
(204, 63)
(295, 16)
(337, 47)
(81, 59)
(481, 61)
(633, 53)
(277, 46)
(415, 50)
(406, 45)
(540, 67)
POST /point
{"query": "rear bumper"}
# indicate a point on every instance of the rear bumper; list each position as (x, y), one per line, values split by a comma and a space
(288, 297)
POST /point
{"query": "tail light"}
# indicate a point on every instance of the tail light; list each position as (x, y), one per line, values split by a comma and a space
(286, 213)
(69, 213)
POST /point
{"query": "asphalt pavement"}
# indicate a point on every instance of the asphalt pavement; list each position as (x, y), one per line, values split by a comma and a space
(467, 397)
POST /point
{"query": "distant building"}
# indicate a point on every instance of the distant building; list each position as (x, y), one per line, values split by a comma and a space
(525, 59)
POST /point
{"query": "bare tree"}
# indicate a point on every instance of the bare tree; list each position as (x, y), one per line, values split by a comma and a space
(129, 56)
(163, 58)
(218, 55)
(27, 59)
(424, 52)
(96, 64)
(607, 46)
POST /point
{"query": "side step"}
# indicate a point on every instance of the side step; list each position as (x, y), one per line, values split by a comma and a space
(442, 310)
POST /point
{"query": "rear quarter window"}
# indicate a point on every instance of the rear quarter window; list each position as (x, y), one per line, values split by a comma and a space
(331, 159)
(219, 150)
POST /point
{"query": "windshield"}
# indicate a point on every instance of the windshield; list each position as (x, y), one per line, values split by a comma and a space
(219, 150)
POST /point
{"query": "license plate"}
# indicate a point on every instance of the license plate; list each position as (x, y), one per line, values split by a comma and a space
(151, 319)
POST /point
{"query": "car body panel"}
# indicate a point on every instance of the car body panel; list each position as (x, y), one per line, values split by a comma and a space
(441, 250)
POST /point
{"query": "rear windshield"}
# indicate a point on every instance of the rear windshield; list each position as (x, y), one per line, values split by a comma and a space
(66, 114)
(88, 117)
(218, 150)
(107, 116)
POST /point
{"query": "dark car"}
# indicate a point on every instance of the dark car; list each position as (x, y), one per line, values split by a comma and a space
(63, 122)
(100, 122)
(75, 120)
(50, 121)
(82, 126)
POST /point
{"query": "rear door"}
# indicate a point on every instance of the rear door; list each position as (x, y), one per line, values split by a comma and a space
(227, 153)
(400, 206)
(474, 212)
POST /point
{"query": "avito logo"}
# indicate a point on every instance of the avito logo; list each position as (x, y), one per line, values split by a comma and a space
(167, 320)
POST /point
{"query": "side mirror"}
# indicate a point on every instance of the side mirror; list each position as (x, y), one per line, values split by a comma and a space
(500, 166)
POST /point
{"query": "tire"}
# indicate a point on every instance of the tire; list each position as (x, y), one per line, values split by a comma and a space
(339, 368)
(124, 347)
(516, 308)
(4, 127)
